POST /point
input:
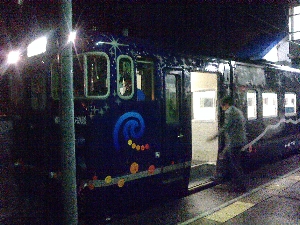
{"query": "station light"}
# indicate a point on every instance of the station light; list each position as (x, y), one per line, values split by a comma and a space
(13, 57)
(72, 37)
(37, 47)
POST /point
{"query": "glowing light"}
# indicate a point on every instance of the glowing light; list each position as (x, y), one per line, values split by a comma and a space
(37, 47)
(72, 37)
(13, 57)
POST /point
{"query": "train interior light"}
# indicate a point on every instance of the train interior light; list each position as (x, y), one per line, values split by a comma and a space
(37, 47)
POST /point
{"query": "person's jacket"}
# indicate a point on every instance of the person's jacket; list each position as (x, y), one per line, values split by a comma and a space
(234, 128)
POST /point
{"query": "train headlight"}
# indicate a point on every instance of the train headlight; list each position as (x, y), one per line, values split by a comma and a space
(37, 47)
(13, 57)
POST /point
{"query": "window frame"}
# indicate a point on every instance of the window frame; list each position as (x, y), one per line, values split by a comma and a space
(148, 61)
(86, 76)
(269, 116)
(256, 104)
(295, 105)
(125, 97)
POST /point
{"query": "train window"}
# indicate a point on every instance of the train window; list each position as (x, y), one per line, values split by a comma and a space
(172, 101)
(97, 75)
(78, 77)
(125, 77)
(290, 104)
(204, 105)
(269, 104)
(251, 105)
(145, 80)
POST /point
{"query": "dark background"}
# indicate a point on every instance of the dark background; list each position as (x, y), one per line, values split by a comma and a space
(213, 28)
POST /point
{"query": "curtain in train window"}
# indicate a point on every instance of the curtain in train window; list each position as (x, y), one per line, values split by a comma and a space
(172, 99)
(269, 104)
(290, 104)
(97, 75)
(145, 80)
(125, 83)
(251, 105)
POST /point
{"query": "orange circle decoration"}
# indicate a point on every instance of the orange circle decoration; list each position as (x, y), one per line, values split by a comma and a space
(137, 146)
(134, 168)
(151, 169)
(108, 179)
(121, 183)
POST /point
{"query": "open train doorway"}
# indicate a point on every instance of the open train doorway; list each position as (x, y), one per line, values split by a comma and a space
(204, 88)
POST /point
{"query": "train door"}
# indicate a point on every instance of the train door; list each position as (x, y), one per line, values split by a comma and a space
(204, 124)
(176, 137)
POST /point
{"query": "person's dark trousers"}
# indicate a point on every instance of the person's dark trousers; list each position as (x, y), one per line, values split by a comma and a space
(233, 158)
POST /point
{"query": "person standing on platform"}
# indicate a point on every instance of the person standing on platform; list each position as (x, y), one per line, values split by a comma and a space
(234, 129)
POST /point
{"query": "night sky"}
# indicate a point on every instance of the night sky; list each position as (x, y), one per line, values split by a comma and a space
(214, 29)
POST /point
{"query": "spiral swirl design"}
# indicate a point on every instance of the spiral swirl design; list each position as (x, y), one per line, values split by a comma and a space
(131, 124)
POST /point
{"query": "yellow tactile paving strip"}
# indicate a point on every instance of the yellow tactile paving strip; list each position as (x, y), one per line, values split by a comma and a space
(229, 212)
(276, 187)
(242, 203)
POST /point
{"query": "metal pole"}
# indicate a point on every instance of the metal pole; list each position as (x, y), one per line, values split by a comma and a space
(67, 118)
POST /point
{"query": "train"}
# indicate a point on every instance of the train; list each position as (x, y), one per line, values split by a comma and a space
(142, 116)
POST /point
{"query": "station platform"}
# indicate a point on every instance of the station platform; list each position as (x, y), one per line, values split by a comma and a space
(272, 198)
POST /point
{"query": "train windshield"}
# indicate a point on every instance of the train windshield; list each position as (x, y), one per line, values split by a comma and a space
(91, 80)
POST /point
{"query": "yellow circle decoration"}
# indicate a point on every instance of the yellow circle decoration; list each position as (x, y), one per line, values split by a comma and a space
(108, 179)
(121, 183)
(129, 142)
(133, 145)
(134, 168)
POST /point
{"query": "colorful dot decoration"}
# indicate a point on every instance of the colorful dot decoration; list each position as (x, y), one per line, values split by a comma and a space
(134, 168)
(108, 179)
(121, 183)
(137, 146)
(151, 169)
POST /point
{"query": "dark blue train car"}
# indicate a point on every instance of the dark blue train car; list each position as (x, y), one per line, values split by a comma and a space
(142, 118)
